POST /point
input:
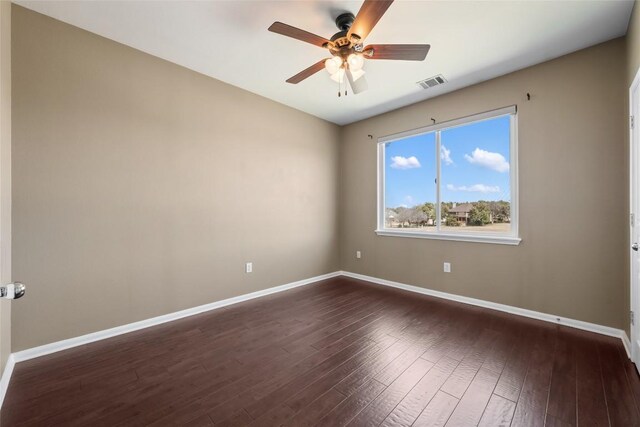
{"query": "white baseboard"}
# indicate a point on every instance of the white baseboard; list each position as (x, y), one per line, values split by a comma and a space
(6, 377)
(626, 343)
(43, 350)
(119, 330)
(578, 324)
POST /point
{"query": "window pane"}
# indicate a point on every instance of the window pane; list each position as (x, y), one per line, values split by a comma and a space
(410, 190)
(476, 188)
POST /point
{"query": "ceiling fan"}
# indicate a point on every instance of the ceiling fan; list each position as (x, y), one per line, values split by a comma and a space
(347, 48)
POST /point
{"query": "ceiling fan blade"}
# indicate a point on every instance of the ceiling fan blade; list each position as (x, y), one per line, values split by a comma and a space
(359, 85)
(297, 33)
(307, 72)
(405, 52)
(368, 16)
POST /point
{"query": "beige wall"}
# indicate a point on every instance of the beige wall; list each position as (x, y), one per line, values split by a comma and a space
(5, 177)
(633, 44)
(141, 188)
(573, 194)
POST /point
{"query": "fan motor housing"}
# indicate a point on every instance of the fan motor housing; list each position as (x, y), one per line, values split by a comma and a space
(340, 38)
(344, 21)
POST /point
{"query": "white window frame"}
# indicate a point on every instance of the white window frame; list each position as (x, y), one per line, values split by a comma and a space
(511, 238)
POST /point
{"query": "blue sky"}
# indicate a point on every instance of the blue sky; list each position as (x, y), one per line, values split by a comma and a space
(474, 161)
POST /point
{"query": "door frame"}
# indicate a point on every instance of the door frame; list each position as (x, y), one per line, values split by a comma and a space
(634, 214)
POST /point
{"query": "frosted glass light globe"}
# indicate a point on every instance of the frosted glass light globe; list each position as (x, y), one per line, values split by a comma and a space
(332, 65)
(355, 61)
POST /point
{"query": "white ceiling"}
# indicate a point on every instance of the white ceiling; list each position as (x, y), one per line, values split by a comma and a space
(471, 41)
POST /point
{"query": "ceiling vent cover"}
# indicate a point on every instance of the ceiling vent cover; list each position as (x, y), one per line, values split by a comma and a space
(432, 81)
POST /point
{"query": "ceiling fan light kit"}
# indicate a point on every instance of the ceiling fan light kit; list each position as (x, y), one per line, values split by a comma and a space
(333, 65)
(346, 47)
(338, 76)
(355, 61)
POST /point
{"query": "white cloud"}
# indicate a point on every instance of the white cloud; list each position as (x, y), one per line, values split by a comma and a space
(476, 188)
(445, 155)
(487, 159)
(409, 199)
(399, 162)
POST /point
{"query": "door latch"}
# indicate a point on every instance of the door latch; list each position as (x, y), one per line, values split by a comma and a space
(12, 290)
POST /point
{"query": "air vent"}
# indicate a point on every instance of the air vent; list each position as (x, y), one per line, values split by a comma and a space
(431, 81)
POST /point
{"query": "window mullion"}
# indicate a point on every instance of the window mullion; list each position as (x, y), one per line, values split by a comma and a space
(438, 214)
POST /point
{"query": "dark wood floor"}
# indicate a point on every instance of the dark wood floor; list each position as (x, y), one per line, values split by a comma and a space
(339, 352)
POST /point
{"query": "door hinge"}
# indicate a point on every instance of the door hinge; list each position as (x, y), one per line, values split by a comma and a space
(632, 318)
(633, 220)
(631, 121)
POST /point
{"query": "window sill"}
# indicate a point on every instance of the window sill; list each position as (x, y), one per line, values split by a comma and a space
(499, 240)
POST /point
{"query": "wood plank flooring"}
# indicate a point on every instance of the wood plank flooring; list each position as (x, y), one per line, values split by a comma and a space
(336, 353)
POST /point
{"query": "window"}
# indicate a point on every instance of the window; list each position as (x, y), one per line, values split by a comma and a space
(451, 181)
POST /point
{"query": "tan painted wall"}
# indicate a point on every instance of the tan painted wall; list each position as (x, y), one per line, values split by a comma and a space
(633, 44)
(141, 188)
(573, 194)
(5, 177)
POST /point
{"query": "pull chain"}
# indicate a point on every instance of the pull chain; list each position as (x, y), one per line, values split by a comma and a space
(345, 82)
(340, 86)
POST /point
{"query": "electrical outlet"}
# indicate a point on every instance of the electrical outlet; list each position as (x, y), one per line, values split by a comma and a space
(358, 254)
(447, 267)
(248, 268)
